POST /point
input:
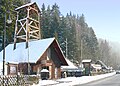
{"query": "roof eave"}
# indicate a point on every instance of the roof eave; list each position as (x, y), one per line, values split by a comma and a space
(26, 5)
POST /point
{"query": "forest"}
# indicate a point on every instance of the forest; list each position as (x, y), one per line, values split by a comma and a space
(77, 40)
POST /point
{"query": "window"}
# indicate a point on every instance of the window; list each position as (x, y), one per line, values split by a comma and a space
(13, 69)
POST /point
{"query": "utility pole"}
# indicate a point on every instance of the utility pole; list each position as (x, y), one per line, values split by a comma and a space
(9, 21)
(81, 49)
(4, 42)
(28, 61)
(66, 49)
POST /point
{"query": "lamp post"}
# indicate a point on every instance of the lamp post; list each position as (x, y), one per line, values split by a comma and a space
(4, 39)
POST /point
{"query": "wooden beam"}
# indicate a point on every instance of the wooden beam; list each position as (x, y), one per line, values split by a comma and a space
(31, 8)
(34, 27)
(16, 28)
(22, 19)
(39, 26)
(21, 37)
(33, 20)
(34, 36)
(34, 31)
(22, 27)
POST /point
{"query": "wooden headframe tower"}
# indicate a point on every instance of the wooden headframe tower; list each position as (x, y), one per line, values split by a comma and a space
(27, 25)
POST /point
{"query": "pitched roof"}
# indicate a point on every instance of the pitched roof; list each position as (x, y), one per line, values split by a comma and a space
(102, 64)
(86, 60)
(21, 53)
(26, 5)
(96, 66)
(70, 66)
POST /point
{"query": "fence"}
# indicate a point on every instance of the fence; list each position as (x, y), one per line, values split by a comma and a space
(17, 80)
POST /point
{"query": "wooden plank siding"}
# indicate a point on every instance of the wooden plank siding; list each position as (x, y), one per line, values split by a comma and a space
(51, 59)
(52, 63)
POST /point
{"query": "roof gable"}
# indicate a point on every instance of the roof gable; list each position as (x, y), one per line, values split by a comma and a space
(86, 61)
(70, 65)
(60, 56)
(102, 64)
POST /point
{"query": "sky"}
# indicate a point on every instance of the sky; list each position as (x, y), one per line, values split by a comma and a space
(102, 15)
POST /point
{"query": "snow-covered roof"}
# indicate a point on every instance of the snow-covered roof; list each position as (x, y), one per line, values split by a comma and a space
(21, 53)
(102, 64)
(26, 5)
(86, 60)
(44, 70)
(96, 66)
(70, 66)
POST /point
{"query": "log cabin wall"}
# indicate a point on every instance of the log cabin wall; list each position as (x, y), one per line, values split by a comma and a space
(49, 60)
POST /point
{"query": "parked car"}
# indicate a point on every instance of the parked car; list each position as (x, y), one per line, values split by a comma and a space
(118, 72)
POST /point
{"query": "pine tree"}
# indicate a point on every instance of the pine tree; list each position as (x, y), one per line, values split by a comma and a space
(43, 21)
(55, 19)
(7, 7)
(72, 47)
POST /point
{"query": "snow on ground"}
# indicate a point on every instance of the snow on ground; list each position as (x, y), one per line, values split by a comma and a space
(70, 81)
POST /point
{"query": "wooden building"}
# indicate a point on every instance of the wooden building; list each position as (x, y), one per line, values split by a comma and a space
(87, 65)
(52, 60)
(41, 54)
(103, 65)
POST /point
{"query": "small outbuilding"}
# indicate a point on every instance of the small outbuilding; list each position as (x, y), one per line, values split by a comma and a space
(70, 70)
(103, 66)
(87, 65)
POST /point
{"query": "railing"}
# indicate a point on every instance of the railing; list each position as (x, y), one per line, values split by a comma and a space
(18, 80)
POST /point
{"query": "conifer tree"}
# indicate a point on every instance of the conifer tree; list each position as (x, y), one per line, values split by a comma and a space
(7, 7)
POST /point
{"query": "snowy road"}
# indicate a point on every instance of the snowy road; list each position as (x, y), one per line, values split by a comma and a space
(111, 81)
(71, 81)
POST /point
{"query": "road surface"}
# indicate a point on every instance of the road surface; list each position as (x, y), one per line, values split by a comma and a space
(110, 81)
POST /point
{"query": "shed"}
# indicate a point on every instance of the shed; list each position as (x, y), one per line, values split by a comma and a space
(102, 64)
(70, 67)
(70, 70)
(87, 65)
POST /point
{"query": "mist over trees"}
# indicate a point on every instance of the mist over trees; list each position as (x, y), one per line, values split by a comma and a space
(109, 53)
(77, 40)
